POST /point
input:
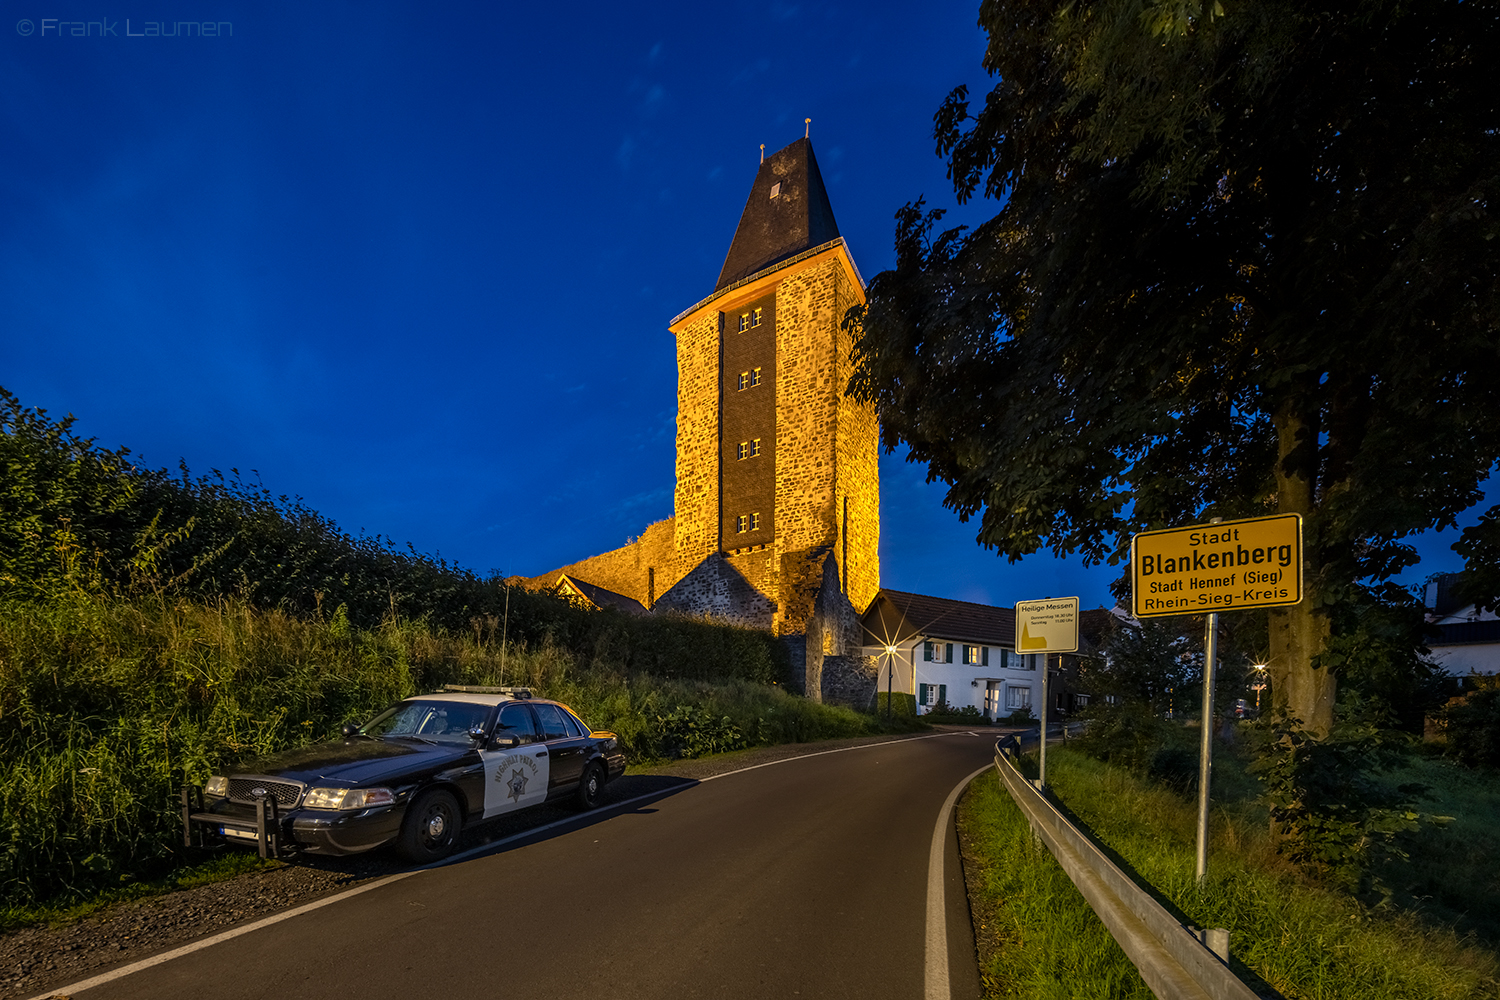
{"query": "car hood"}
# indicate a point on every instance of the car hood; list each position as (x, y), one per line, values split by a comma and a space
(355, 761)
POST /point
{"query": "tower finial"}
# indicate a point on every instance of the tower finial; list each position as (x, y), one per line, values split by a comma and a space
(806, 127)
(763, 152)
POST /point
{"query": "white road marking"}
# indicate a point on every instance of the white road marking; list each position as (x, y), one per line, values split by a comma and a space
(935, 961)
(276, 918)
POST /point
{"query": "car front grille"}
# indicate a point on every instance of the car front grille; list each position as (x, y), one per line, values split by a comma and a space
(286, 793)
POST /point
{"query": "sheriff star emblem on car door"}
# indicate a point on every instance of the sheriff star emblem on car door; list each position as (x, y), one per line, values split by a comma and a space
(517, 785)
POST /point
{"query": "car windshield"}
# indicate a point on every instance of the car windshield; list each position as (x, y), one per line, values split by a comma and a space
(429, 721)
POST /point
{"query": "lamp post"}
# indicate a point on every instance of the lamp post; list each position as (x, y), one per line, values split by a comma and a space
(1260, 683)
(890, 671)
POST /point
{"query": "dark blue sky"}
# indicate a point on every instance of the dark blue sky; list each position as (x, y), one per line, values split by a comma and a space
(416, 265)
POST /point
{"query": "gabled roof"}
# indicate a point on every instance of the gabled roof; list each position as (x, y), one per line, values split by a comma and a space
(598, 596)
(896, 616)
(798, 218)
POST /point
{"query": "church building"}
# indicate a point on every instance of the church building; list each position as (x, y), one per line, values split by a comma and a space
(777, 505)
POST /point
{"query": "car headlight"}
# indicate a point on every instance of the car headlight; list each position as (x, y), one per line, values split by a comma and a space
(348, 798)
(217, 787)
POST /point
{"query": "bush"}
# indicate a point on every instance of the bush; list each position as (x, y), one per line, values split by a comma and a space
(696, 732)
(896, 705)
(1471, 726)
(1329, 811)
(1132, 737)
(967, 715)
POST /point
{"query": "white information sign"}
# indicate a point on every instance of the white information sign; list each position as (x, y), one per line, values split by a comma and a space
(1047, 626)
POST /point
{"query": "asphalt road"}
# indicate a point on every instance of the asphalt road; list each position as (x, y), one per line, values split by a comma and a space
(807, 877)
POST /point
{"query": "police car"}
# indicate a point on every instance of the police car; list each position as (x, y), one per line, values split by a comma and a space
(415, 775)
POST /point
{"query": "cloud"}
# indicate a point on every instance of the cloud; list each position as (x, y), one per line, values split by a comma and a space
(652, 102)
(626, 152)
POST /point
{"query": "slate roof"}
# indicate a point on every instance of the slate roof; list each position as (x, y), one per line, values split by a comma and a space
(895, 616)
(599, 597)
(774, 229)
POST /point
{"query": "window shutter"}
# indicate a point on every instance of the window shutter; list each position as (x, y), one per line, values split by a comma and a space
(943, 694)
(984, 656)
(927, 651)
(949, 657)
(922, 694)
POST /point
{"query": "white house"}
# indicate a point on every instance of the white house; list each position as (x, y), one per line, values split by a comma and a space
(956, 653)
(1467, 639)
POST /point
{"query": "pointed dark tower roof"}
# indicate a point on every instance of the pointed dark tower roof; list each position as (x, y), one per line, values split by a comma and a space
(773, 228)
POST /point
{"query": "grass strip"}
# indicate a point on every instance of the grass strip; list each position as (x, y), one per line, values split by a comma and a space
(1305, 939)
(1037, 936)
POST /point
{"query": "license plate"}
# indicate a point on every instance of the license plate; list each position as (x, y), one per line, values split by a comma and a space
(233, 831)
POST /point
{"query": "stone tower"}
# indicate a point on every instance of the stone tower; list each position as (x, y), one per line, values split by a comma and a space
(777, 505)
(776, 467)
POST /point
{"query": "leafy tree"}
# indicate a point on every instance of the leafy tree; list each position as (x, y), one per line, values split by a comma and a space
(1245, 263)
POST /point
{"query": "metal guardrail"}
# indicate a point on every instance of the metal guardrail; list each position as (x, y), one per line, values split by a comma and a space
(1175, 961)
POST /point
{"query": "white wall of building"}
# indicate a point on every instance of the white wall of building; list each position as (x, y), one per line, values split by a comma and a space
(1007, 682)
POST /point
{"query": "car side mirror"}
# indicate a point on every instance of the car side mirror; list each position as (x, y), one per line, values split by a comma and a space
(479, 735)
(350, 730)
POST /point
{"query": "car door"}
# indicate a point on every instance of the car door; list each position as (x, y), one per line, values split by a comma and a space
(515, 776)
(566, 747)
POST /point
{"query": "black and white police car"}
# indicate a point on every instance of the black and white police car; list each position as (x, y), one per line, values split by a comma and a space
(415, 775)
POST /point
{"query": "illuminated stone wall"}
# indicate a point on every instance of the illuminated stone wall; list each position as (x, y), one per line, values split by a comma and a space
(630, 569)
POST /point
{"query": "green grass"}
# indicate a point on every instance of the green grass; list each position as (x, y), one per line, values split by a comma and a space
(1036, 935)
(108, 705)
(1306, 939)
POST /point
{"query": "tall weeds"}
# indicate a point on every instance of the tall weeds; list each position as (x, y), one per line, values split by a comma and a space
(108, 705)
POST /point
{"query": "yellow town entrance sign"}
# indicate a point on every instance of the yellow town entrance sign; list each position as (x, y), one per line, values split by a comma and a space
(1228, 566)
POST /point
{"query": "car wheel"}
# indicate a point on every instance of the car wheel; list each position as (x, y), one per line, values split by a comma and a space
(591, 788)
(430, 830)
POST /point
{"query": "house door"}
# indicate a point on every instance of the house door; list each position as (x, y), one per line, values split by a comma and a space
(992, 700)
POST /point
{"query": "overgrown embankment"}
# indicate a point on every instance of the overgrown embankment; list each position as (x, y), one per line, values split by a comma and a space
(107, 706)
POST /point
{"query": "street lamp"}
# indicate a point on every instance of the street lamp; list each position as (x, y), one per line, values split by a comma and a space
(1260, 683)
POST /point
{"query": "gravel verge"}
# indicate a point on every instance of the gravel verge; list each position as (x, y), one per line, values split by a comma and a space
(36, 958)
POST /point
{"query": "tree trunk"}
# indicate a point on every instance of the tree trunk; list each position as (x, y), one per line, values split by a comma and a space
(1299, 632)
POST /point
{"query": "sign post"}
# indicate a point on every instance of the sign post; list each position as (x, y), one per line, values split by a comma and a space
(1047, 626)
(1207, 568)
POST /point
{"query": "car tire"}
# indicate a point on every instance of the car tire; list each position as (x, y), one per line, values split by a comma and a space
(430, 830)
(591, 788)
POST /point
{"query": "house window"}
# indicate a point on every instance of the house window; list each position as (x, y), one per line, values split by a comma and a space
(1017, 697)
(978, 656)
(937, 652)
(932, 694)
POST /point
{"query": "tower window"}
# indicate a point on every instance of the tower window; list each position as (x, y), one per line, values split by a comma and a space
(747, 449)
(744, 380)
(755, 318)
(754, 522)
(754, 447)
(775, 189)
(755, 376)
(744, 321)
(742, 523)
